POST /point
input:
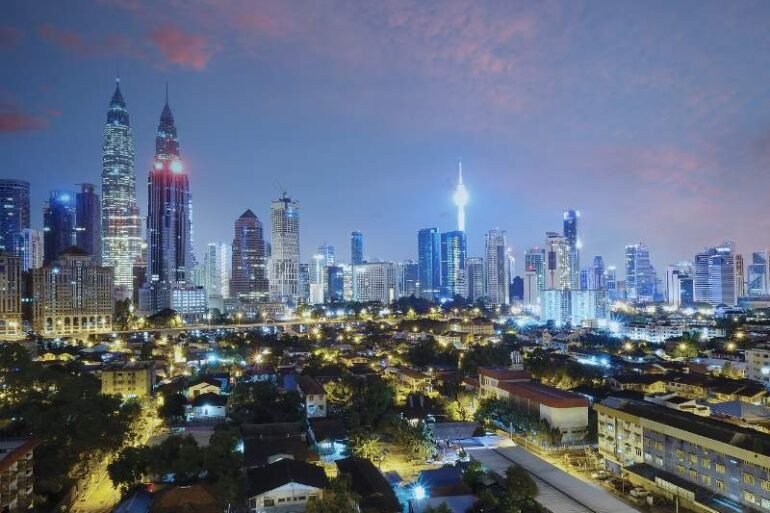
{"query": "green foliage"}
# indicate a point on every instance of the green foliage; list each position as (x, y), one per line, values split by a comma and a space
(491, 410)
(429, 352)
(338, 499)
(124, 315)
(260, 402)
(367, 445)
(360, 402)
(473, 475)
(415, 440)
(172, 408)
(77, 425)
(562, 372)
(517, 497)
(485, 356)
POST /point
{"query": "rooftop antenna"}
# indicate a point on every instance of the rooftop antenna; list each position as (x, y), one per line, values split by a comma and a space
(166, 92)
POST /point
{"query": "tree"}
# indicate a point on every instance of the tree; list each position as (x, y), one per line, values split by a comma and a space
(337, 499)
(473, 475)
(222, 463)
(367, 445)
(124, 314)
(441, 508)
(129, 468)
(172, 408)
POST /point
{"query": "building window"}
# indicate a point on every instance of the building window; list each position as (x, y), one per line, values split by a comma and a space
(720, 485)
(693, 475)
(693, 458)
(269, 503)
(706, 479)
(719, 468)
(705, 462)
(680, 469)
(749, 497)
(765, 485)
(748, 478)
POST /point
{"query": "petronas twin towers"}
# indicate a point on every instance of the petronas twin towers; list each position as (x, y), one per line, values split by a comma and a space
(169, 215)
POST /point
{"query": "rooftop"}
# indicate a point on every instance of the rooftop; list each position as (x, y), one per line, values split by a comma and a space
(503, 374)
(543, 394)
(282, 472)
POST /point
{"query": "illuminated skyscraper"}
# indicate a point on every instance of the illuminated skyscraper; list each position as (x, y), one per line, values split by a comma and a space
(31, 249)
(120, 224)
(453, 252)
(474, 278)
(356, 248)
(14, 215)
(169, 221)
(374, 281)
(429, 261)
(572, 239)
(285, 266)
(640, 275)
(496, 268)
(249, 267)
(59, 222)
(460, 199)
(216, 272)
(557, 262)
(88, 217)
(408, 279)
(759, 274)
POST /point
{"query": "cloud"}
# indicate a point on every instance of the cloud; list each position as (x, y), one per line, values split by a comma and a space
(183, 49)
(109, 45)
(9, 37)
(13, 119)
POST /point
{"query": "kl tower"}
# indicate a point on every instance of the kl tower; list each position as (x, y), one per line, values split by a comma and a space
(460, 198)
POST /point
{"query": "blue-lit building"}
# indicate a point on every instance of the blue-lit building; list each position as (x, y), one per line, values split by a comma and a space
(14, 216)
(453, 253)
(573, 247)
(59, 225)
(336, 283)
(407, 279)
(356, 248)
(429, 262)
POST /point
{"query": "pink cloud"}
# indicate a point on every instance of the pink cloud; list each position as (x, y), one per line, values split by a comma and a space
(73, 42)
(183, 49)
(13, 119)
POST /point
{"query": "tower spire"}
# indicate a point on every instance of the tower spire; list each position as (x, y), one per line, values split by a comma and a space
(460, 166)
(167, 92)
(460, 198)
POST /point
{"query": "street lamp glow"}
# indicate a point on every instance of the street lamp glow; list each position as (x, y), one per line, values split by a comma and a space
(460, 198)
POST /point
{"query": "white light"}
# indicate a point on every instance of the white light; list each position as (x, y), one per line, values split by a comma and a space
(158, 165)
(418, 492)
(176, 166)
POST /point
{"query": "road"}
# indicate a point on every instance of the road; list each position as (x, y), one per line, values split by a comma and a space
(557, 490)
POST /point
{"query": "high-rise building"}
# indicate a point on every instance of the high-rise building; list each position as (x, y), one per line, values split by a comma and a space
(169, 221)
(496, 274)
(374, 281)
(531, 292)
(121, 223)
(31, 249)
(72, 295)
(249, 279)
(327, 251)
(474, 278)
(534, 275)
(572, 240)
(285, 265)
(453, 253)
(407, 279)
(15, 213)
(59, 221)
(317, 278)
(611, 283)
(460, 198)
(429, 262)
(335, 277)
(596, 281)
(216, 273)
(10, 296)
(640, 275)
(557, 262)
(759, 274)
(556, 306)
(356, 248)
(740, 276)
(715, 276)
(303, 283)
(88, 218)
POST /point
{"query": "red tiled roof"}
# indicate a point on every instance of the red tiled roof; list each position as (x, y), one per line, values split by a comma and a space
(309, 385)
(505, 374)
(543, 394)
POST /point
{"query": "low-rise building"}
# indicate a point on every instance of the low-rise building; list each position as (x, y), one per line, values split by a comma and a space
(314, 396)
(490, 380)
(758, 363)
(17, 475)
(134, 379)
(207, 407)
(284, 486)
(706, 464)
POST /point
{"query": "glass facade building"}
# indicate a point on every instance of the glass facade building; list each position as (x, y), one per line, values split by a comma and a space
(15, 214)
(429, 262)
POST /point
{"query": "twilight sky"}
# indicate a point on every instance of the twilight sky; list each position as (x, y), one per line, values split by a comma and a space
(652, 118)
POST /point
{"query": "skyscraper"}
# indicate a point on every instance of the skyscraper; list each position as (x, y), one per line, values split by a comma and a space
(429, 261)
(453, 252)
(596, 281)
(640, 275)
(460, 198)
(121, 224)
(88, 216)
(169, 220)
(374, 281)
(474, 278)
(722, 276)
(59, 222)
(249, 280)
(496, 273)
(356, 248)
(557, 262)
(573, 247)
(534, 261)
(740, 276)
(759, 274)
(14, 215)
(31, 249)
(408, 279)
(285, 270)
(216, 272)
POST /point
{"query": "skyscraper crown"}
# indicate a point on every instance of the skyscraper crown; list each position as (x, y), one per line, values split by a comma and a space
(118, 114)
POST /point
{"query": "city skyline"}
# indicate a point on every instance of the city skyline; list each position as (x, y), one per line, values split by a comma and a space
(665, 152)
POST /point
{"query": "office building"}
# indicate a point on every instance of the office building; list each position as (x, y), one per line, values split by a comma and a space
(758, 274)
(597, 276)
(249, 269)
(453, 253)
(129, 380)
(374, 281)
(408, 279)
(758, 363)
(335, 278)
(356, 248)
(555, 307)
(740, 276)
(572, 241)
(285, 265)
(190, 302)
(15, 213)
(72, 295)
(121, 223)
(10, 297)
(59, 221)
(474, 279)
(217, 271)
(88, 219)
(640, 275)
(722, 277)
(31, 249)
(429, 262)
(169, 221)
(317, 279)
(496, 270)
(557, 262)
(611, 283)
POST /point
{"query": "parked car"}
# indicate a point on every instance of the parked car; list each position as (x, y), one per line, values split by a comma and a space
(601, 475)
(638, 493)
